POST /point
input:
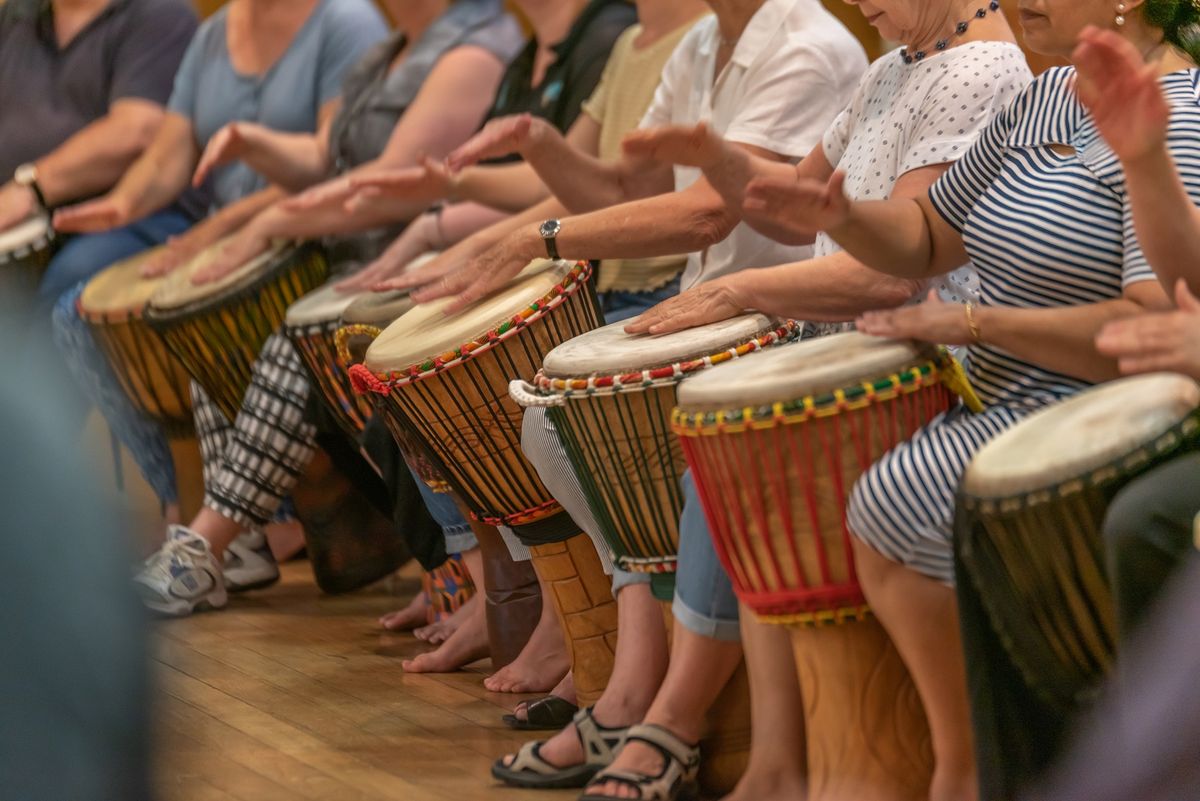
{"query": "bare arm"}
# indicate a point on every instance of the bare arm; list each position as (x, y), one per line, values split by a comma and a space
(1165, 218)
(1060, 339)
(829, 289)
(518, 186)
(731, 169)
(155, 179)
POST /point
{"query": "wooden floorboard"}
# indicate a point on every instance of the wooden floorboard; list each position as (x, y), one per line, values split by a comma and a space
(289, 694)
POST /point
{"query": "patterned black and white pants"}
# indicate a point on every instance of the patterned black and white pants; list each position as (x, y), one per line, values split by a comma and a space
(252, 464)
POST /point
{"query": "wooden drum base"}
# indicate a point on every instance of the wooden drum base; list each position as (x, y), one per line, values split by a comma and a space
(189, 475)
(867, 734)
(582, 595)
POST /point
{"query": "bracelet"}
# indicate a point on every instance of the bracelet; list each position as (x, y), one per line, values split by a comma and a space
(436, 211)
(972, 324)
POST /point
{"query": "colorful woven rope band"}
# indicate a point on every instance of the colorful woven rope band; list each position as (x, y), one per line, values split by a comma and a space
(665, 375)
(366, 381)
(824, 617)
(341, 339)
(858, 396)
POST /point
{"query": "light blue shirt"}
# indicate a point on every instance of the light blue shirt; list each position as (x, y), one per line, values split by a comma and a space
(287, 97)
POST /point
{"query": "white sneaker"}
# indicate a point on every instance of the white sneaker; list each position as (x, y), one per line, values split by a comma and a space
(182, 577)
(248, 563)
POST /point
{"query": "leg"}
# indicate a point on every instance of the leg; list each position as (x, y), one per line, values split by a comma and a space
(269, 445)
(901, 512)
(143, 437)
(469, 641)
(705, 647)
(638, 670)
(1147, 532)
(776, 766)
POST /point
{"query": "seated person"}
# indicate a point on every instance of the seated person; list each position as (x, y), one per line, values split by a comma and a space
(83, 95)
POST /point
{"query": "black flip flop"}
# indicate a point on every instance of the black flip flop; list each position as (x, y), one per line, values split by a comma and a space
(545, 714)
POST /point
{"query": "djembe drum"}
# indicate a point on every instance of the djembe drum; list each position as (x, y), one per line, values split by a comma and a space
(25, 250)
(312, 324)
(216, 330)
(1028, 534)
(113, 305)
(776, 441)
(445, 382)
(610, 396)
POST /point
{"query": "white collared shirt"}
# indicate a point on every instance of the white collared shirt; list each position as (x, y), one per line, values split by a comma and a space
(792, 71)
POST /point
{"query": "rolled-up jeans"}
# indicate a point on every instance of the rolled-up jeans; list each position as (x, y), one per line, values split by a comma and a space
(704, 603)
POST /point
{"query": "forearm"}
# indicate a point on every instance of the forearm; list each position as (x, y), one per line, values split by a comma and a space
(157, 178)
(1165, 218)
(834, 288)
(294, 161)
(1059, 339)
(235, 215)
(507, 187)
(891, 236)
(94, 159)
(663, 225)
(581, 181)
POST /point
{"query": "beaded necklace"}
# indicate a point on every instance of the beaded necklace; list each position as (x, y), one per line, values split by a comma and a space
(959, 30)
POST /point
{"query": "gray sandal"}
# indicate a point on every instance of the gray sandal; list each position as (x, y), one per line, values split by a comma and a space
(676, 780)
(530, 770)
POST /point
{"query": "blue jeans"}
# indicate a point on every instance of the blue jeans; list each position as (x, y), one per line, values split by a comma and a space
(460, 538)
(80, 259)
(621, 305)
(704, 600)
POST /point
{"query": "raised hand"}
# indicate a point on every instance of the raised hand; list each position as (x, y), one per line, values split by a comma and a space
(691, 145)
(426, 183)
(1122, 93)
(500, 137)
(101, 214)
(226, 145)
(933, 321)
(1148, 343)
(797, 208)
(708, 303)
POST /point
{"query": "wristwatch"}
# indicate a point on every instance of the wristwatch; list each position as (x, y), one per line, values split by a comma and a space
(549, 231)
(26, 175)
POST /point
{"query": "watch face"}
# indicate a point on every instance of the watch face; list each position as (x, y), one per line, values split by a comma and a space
(25, 175)
(550, 228)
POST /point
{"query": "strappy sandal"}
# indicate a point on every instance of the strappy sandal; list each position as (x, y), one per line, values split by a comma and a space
(545, 714)
(529, 769)
(676, 780)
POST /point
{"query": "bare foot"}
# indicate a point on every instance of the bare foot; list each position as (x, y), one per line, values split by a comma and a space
(438, 633)
(285, 539)
(542, 663)
(409, 617)
(466, 645)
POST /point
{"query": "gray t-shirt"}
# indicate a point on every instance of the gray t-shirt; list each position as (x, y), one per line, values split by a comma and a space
(47, 94)
(375, 97)
(287, 97)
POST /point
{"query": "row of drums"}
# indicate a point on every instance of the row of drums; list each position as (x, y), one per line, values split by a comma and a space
(774, 429)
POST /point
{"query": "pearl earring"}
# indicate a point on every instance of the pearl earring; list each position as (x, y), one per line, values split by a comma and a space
(1120, 14)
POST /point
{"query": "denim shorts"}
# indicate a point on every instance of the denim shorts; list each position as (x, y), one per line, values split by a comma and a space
(704, 600)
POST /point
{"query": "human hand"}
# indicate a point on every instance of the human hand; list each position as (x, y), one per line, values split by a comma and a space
(933, 321)
(1157, 341)
(711, 302)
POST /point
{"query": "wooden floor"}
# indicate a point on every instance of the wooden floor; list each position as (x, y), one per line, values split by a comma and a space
(288, 694)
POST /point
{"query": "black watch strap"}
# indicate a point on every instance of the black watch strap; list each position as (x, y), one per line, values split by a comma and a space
(552, 247)
(37, 193)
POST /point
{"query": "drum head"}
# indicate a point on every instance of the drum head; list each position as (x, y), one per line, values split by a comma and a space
(610, 351)
(1083, 433)
(179, 291)
(793, 371)
(426, 331)
(322, 305)
(32, 233)
(379, 309)
(120, 288)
